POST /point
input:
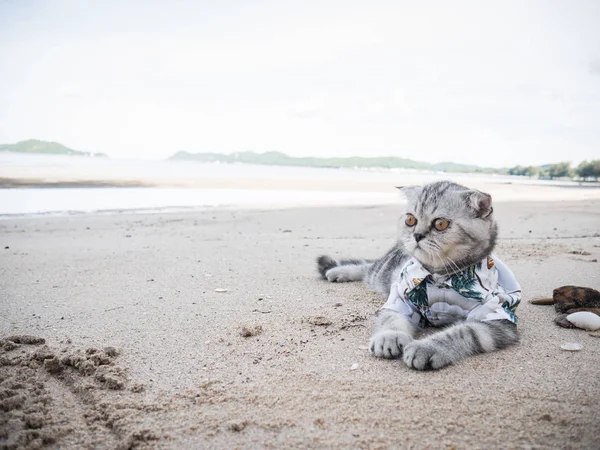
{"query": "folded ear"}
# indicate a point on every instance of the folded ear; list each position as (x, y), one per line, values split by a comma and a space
(410, 192)
(480, 202)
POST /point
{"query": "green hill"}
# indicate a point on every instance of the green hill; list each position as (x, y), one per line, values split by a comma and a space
(281, 159)
(44, 147)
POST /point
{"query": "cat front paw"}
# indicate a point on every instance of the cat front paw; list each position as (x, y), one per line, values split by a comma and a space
(388, 343)
(424, 356)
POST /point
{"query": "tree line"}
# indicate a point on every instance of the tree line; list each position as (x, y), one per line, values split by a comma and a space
(586, 171)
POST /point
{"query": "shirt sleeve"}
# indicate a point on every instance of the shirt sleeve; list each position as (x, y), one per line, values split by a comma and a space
(506, 278)
(497, 306)
(398, 303)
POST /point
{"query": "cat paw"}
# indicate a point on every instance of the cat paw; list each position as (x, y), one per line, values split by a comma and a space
(424, 356)
(338, 275)
(388, 344)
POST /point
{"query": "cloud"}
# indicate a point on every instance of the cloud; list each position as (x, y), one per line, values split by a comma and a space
(459, 83)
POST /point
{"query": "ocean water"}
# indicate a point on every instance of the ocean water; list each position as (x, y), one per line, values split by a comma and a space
(311, 186)
(34, 165)
(60, 201)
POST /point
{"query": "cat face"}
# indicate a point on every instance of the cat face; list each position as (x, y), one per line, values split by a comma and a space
(447, 226)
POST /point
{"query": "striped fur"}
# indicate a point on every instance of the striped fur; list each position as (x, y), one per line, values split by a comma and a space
(458, 342)
(343, 270)
(470, 237)
(377, 274)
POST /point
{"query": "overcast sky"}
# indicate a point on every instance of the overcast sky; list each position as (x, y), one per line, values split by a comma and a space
(489, 83)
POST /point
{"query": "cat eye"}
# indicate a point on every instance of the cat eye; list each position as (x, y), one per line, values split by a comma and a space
(440, 224)
(410, 221)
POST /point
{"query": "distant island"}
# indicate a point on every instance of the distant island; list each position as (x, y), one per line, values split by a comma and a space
(586, 171)
(281, 159)
(45, 148)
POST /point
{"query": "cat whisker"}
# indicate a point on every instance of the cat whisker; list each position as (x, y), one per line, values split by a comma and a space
(436, 251)
(438, 255)
(453, 267)
(458, 271)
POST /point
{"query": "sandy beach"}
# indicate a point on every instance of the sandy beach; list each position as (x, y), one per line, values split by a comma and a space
(141, 350)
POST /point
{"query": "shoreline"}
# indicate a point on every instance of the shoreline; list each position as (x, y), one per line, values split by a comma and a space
(17, 170)
(25, 165)
(66, 181)
(257, 208)
(61, 188)
(72, 201)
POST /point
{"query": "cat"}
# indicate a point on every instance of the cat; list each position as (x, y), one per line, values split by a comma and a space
(440, 272)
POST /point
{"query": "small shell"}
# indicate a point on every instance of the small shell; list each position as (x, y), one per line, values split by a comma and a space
(571, 347)
(585, 319)
(219, 290)
(354, 366)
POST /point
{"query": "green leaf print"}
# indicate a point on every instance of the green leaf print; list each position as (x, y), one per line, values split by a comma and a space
(465, 283)
(510, 312)
(418, 295)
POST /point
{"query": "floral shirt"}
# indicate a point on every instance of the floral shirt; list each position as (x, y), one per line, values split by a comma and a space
(484, 291)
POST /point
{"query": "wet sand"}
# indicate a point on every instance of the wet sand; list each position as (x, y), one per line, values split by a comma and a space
(278, 360)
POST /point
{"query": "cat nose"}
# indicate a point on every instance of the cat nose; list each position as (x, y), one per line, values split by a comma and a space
(418, 236)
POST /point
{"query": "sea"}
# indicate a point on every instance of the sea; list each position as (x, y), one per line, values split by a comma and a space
(312, 186)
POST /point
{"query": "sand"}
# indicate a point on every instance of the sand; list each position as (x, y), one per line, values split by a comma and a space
(140, 350)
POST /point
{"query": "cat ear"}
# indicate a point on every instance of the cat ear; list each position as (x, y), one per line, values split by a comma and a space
(410, 192)
(480, 202)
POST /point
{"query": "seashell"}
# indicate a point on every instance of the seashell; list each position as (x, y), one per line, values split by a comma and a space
(585, 319)
(354, 366)
(571, 347)
(219, 290)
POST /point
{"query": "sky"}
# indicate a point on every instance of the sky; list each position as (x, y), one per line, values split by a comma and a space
(489, 83)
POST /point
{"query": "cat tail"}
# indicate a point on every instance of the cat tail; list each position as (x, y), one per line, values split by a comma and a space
(324, 263)
(344, 269)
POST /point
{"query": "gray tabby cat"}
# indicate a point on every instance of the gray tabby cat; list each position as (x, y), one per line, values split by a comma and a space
(447, 228)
